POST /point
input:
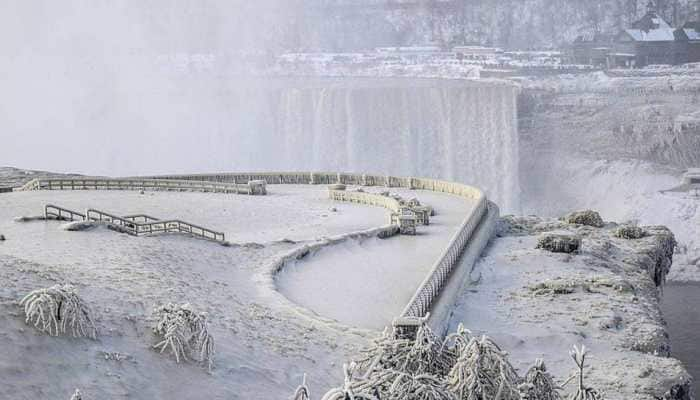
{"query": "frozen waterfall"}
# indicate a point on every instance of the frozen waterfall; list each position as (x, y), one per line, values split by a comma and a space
(451, 129)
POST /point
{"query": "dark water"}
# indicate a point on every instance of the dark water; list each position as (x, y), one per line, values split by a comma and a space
(681, 308)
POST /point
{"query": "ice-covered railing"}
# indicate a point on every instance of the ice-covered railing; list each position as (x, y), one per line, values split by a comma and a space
(153, 225)
(371, 199)
(140, 184)
(425, 297)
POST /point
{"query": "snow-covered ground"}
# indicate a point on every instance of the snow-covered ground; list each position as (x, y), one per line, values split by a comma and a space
(621, 190)
(537, 304)
(262, 345)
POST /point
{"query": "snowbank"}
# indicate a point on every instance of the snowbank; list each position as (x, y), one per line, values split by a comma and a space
(540, 304)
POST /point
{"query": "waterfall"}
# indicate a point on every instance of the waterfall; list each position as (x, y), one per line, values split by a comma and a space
(451, 129)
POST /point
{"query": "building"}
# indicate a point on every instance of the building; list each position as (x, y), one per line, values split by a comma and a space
(689, 35)
(651, 40)
(648, 41)
(592, 49)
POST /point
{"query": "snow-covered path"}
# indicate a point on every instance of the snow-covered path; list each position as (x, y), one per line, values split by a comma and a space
(376, 276)
(262, 347)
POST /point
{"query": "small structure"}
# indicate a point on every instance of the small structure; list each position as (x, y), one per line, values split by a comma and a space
(407, 327)
(689, 35)
(689, 183)
(258, 187)
(422, 212)
(479, 53)
(652, 41)
(406, 220)
(592, 49)
(692, 178)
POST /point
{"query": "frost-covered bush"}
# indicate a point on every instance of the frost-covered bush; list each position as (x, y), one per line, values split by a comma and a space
(482, 371)
(586, 217)
(185, 332)
(578, 354)
(77, 395)
(539, 384)
(302, 392)
(58, 309)
(419, 387)
(630, 232)
(460, 367)
(559, 243)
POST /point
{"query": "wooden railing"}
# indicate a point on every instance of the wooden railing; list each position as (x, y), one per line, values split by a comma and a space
(62, 214)
(137, 184)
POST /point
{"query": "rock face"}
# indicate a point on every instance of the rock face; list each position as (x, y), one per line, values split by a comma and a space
(605, 295)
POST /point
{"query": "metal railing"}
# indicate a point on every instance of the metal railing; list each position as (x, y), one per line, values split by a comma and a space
(62, 214)
(140, 218)
(137, 184)
(420, 303)
(424, 297)
(152, 225)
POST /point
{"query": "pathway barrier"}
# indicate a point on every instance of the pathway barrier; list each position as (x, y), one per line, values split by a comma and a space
(138, 224)
(153, 225)
(62, 214)
(442, 272)
(424, 298)
(139, 184)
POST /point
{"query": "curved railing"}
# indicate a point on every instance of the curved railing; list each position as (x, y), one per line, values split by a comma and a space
(429, 290)
(370, 199)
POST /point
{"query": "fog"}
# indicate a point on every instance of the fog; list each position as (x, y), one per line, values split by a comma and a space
(123, 87)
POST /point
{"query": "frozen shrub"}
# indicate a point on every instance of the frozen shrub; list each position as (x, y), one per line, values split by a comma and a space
(57, 309)
(482, 371)
(463, 367)
(630, 232)
(422, 355)
(578, 354)
(302, 392)
(2, 238)
(419, 387)
(559, 243)
(77, 395)
(586, 217)
(539, 384)
(185, 332)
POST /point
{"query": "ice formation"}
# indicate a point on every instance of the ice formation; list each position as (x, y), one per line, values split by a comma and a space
(58, 309)
(185, 332)
(460, 367)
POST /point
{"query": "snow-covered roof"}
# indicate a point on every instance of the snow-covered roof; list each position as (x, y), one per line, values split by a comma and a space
(654, 35)
(692, 34)
(651, 28)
